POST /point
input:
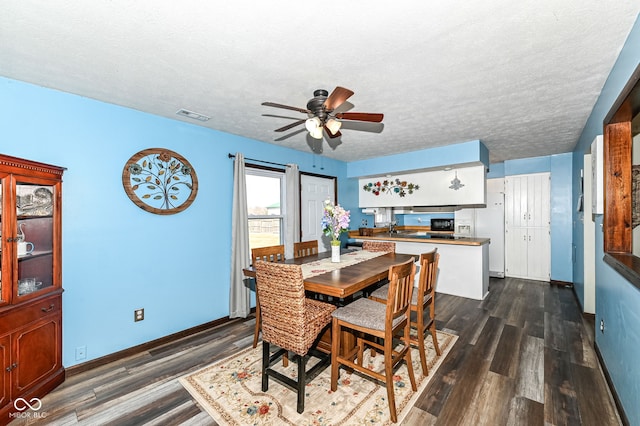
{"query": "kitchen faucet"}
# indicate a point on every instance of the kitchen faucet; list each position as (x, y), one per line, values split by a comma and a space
(392, 226)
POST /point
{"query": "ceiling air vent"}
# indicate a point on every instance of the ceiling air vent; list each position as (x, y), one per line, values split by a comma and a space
(193, 115)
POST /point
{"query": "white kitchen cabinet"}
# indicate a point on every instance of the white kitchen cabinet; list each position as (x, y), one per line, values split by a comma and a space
(528, 253)
(527, 199)
(456, 187)
(528, 226)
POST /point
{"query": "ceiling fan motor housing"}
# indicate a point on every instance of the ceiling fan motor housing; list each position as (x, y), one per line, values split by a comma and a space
(316, 104)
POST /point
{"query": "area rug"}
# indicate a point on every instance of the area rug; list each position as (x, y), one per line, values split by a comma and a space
(230, 391)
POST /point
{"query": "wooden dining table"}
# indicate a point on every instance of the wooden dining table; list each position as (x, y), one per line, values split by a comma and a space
(343, 282)
(346, 281)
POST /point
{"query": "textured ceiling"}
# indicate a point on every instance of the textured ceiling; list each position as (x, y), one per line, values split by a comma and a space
(522, 77)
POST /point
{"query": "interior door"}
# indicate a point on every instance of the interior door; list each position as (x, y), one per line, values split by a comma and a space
(315, 189)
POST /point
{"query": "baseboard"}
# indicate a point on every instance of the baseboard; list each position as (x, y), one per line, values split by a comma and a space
(94, 363)
(612, 389)
(561, 283)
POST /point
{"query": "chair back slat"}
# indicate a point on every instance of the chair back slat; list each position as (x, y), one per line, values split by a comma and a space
(268, 254)
(401, 282)
(428, 273)
(305, 248)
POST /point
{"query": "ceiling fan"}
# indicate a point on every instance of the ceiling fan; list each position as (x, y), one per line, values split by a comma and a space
(321, 113)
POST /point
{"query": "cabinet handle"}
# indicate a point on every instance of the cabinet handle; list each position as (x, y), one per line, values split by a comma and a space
(49, 309)
(11, 367)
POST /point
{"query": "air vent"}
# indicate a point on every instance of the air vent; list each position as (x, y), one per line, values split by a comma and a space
(193, 115)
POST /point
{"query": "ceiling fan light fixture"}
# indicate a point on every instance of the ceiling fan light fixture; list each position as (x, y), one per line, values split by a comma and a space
(333, 125)
(316, 133)
(312, 124)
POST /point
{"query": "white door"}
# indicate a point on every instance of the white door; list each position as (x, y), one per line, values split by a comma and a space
(538, 254)
(528, 224)
(516, 254)
(515, 201)
(314, 190)
(538, 200)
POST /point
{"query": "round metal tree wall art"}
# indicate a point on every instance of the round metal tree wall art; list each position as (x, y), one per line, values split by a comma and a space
(160, 181)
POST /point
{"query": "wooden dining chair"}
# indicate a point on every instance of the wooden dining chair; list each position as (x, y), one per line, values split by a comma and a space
(305, 248)
(267, 254)
(387, 246)
(377, 246)
(292, 322)
(422, 303)
(373, 321)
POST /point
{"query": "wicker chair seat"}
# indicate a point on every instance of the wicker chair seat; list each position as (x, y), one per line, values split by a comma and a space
(365, 313)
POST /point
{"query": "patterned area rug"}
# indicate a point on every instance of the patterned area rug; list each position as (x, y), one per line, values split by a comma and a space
(230, 391)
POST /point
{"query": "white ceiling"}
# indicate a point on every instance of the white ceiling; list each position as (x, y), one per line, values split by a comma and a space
(521, 76)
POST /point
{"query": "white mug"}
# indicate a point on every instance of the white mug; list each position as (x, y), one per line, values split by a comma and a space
(23, 248)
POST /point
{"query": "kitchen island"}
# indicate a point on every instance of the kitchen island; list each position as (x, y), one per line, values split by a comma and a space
(463, 269)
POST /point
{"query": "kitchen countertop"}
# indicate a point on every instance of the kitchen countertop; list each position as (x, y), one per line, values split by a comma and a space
(424, 237)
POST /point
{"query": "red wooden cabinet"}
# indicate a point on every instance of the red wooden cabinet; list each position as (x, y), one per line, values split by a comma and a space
(30, 284)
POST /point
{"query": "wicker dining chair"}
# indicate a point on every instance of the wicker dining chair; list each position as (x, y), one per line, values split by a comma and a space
(373, 321)
(292, 322)
(305, 248)
(268, 254)
(422, 302)
(387, 246)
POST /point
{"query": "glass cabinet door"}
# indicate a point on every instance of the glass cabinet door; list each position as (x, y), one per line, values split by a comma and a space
(2, 288)
(34, 236)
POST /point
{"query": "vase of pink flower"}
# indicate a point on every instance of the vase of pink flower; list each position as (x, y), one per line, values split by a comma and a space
(335, 221)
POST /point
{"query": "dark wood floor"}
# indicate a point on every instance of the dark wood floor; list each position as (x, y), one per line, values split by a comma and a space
(524, 356)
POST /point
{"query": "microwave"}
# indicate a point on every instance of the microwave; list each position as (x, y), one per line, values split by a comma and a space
(439, 224)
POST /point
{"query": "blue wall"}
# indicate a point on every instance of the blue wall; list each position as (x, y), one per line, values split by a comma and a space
(617, 301)
(117, 257)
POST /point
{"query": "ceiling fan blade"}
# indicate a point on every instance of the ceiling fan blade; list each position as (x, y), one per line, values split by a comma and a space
(360, 116)
(288, 135)
(337, 134)
(337, 98)
(273, 104)
(290, 126)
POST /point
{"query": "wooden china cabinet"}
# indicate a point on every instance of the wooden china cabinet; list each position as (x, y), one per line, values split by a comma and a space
(30, 284)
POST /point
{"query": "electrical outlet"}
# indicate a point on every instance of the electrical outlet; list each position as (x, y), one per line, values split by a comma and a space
(81, 353)
(602, 326)
(138, 314)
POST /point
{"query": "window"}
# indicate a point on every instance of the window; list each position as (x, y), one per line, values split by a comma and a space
(265, 205)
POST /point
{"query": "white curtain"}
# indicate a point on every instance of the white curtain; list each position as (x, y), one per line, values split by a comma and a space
(292, 218)
(239, 293)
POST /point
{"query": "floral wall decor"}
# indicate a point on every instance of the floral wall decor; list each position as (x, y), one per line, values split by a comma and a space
(160, 181)
(390, 186)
